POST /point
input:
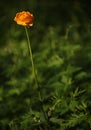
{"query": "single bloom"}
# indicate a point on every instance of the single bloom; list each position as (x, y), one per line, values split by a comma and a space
(24, 18)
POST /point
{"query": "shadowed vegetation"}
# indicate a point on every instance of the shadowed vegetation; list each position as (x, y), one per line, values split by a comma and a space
(61, 46)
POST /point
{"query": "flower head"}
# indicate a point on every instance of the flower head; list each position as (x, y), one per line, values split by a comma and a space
(24, 18)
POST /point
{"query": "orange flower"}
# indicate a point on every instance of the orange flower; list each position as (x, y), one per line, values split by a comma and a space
(24, 18)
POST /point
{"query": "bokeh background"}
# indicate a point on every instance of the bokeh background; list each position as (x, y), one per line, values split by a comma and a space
(61, 46)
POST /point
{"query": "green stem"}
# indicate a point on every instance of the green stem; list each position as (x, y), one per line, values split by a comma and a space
(31, 57)
(35, 74)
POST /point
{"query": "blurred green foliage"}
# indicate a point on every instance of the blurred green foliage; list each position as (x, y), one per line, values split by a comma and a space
(61, 45)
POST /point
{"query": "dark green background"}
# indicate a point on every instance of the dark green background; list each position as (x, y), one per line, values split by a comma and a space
(61, 46)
